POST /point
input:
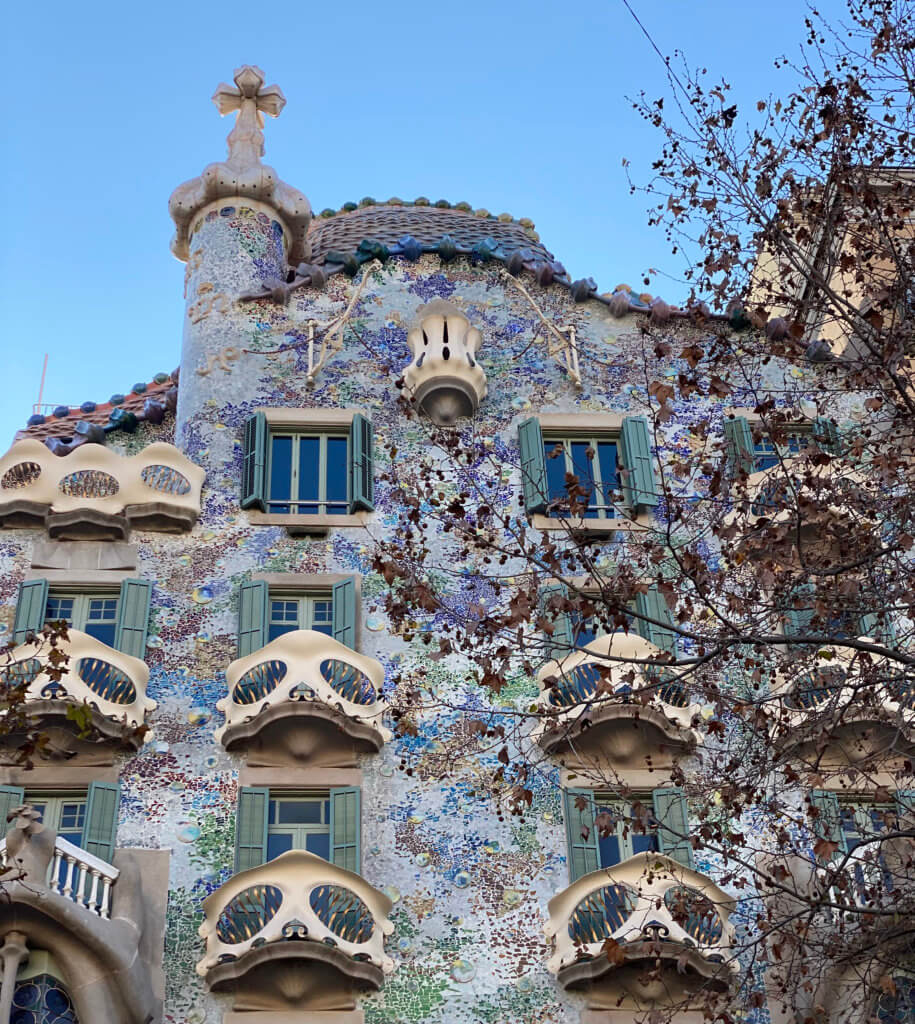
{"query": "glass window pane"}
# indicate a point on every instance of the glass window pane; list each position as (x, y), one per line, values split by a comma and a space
(299, 812)
(583, 468)
(555, 458)
(584, 630)
(59, 608)
(609, 472)
(319, 843)
(322, 614)
(72, 815)
(645, 843)
(277, 844)
(103, 631)
(609, 848)
(309, 474)
(280, 473)
(337, 479)
(102, 609)
(276, 629)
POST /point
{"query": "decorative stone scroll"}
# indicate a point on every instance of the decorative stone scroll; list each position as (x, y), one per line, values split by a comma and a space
(304, 698)
(444, 379)
(591, 708)
(299, 918)
(242, 175)
(661, 914)
(95, 494)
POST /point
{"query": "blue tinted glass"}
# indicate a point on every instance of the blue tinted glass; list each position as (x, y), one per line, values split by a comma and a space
(277, 844)
(103, 631)
(323, 627)
(59, 608)
(554, 456)
(583, 468)
(337, 475)
(72, 816)
(609, 471)
(280, 473)
(319, 843)
(609, 849)
(103, 608)
(299, 812)
(276, 629)
(309, 473)
(647, 843)
(584, 630)
(765, 456)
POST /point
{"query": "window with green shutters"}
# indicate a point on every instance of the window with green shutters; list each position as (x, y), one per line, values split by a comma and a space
(653, 621)
(118, 617)
(271, 822)
(265, 613)
(308, 472)
(751, 449)
(86, 818)
(653, 821)
(614, 470)
(838, 616)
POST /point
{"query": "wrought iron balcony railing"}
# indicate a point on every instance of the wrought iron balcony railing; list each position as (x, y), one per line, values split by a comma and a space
(300, 677)
(652, 907)
(111, 684)
(94, 492)
(585, 695)
(298, 907)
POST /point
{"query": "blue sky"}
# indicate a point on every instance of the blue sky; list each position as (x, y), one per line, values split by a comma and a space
(514, 106)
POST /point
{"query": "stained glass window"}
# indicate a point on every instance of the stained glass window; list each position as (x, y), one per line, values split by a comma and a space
(42, 1000)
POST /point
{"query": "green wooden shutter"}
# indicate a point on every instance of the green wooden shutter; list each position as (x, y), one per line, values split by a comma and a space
(10, 797)
(653, 606)
(828, 824)
(905, 808)
(560, 643)
(880, 629)
(254, 466)
(346, 828)
(739, 440)
(798, 610)
(30, 606)
(639, 486)
(584, 855)
(251, 827)
(672, 814)
(826, 435)
(133, 617)
(362, 464)
(344, 595)
(253, 606)
(101, 825)
(533, 466)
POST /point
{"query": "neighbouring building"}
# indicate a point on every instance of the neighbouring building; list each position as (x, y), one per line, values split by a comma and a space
(255, 855)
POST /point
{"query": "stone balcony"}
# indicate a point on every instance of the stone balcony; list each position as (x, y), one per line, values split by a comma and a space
(862, 710)
(295, 934)
(304, 698)
(95, 494)
(592, 710)
(656, 916)
(91, 916)
(109, 685)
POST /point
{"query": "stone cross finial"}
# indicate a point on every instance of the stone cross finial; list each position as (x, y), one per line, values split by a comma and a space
(252, 100)
(242, 175)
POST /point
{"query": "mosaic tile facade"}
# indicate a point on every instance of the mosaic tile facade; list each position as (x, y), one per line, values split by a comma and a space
(469, 887)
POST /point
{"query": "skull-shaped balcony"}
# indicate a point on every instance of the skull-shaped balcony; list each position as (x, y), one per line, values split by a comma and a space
(593, 707)
(95, 494)
(444, 379)
(844, 708)
(304, 699)
(88, 698)
(296, 934)
(667, 927)
(89, 916)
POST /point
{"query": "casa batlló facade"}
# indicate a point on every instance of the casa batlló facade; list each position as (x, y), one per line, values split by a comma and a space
(257, 856)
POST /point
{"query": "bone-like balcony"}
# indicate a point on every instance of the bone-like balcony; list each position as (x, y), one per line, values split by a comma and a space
(864, 707)
(304, 698)
(296, 933)
(591, 705)
(94, 493)
(110, 684)
(655, 910)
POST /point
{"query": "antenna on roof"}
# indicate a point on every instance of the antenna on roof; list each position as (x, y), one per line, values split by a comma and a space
(37, 406)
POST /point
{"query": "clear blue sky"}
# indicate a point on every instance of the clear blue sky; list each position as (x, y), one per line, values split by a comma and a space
(515, 106)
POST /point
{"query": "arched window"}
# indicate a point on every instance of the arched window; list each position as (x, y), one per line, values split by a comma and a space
(898, 1007)
(41, 997)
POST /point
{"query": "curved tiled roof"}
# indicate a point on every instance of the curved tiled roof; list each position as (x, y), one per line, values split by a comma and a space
(389, 224)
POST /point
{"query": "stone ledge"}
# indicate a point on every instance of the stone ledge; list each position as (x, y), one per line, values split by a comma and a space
(316, 524)
(294, 1017)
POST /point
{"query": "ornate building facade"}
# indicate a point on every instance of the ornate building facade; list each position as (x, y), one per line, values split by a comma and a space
(236, 841)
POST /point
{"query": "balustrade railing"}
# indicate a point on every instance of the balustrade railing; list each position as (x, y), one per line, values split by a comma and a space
(78, 876)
